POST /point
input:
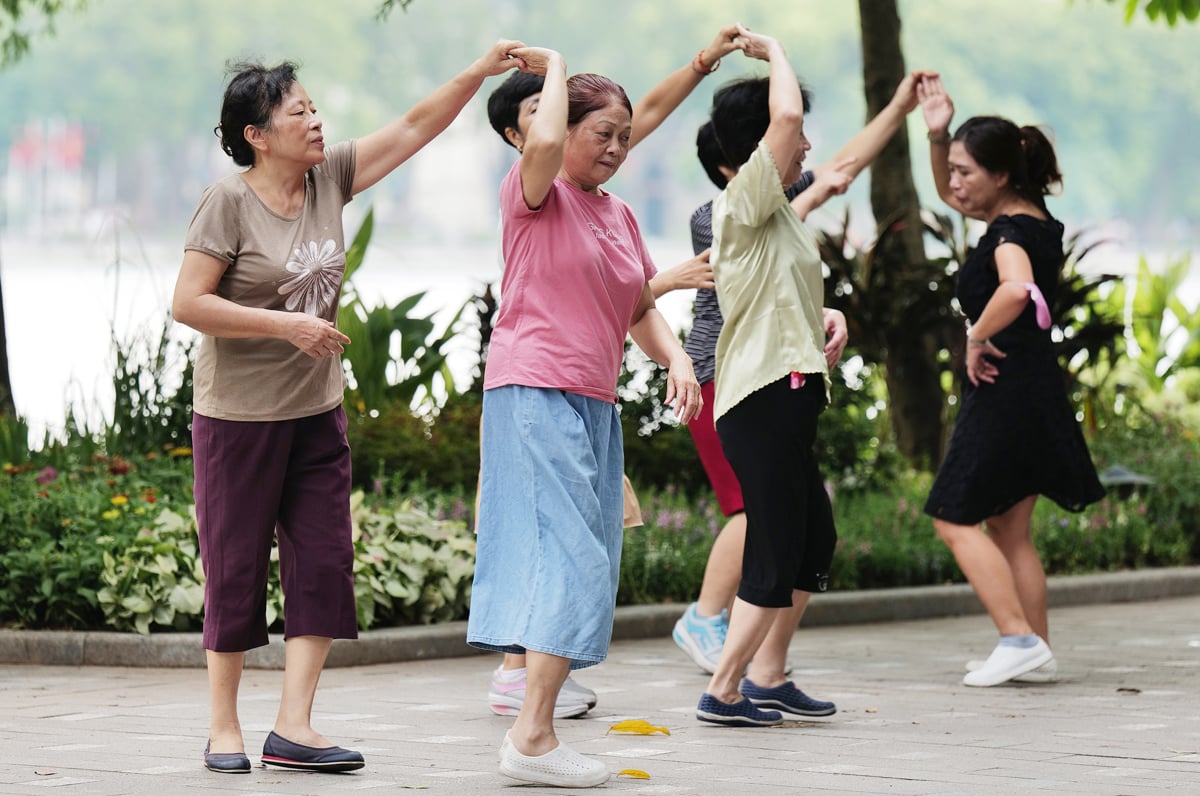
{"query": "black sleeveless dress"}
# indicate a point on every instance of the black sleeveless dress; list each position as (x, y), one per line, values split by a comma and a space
(1017, 436)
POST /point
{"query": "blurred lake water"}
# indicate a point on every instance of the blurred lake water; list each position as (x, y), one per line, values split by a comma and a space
(64, 302)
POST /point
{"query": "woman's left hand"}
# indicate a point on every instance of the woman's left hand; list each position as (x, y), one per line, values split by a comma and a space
(683, 391)
(836, 336)
(534, 60)
(725, 42)
(979, 367)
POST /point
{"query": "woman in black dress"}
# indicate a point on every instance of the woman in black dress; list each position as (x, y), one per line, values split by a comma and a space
(1016, 436)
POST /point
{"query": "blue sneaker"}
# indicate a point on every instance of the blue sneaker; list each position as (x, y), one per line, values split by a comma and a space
(739, 714)
(702, 637)
(786, 697)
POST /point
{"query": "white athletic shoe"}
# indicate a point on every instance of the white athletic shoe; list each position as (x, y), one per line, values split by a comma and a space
(1046, 673)
(505, 698)
(1006, 663)
(572, 692)
(561, 767)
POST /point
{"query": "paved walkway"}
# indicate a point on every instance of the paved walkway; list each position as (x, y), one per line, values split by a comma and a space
(1124, 719)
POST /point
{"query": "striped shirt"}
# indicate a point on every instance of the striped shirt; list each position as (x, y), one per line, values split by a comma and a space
(701, 343)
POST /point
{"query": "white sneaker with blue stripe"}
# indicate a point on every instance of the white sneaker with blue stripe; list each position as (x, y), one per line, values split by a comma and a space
(702, 637)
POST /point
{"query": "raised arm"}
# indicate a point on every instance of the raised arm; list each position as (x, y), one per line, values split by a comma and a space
(938, 110)
(868, 142)
(664, 98)
(784, 100)
(542, 154)
(379, 153)
(834, 176)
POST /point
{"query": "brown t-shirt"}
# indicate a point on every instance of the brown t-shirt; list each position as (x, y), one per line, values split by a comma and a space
(276, 263)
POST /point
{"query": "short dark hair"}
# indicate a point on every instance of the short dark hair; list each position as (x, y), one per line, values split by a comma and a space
(708, 149)
(741, 114)
(252, 95)
(1025, 154)
(504, 104)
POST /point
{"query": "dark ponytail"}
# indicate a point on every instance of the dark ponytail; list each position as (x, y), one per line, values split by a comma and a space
(1025, 154)
(1041, 164)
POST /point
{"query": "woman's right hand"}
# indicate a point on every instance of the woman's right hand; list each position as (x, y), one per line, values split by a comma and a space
(314, 336)
(936, 104)
(694, 273)
(835, 180)
(497, 60)
(979, 367)
(535, 60)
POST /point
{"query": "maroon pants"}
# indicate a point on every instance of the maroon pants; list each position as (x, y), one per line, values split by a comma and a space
(259, 480)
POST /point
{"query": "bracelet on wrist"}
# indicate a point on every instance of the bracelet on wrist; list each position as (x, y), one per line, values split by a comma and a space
(938, 138)
(977, 343)
(698, 65)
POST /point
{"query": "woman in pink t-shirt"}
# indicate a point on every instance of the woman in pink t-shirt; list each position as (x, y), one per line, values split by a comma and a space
(576, 283)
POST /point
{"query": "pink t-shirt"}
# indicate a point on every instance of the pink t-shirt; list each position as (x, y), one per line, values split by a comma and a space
(575, 270)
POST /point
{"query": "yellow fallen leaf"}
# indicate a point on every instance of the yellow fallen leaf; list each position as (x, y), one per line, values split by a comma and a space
(633, 773)
(638, 727)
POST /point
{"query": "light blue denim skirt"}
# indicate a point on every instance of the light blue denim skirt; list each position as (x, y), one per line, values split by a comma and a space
(550, 525)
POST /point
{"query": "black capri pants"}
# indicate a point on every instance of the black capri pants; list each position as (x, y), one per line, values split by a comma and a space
(769, 438)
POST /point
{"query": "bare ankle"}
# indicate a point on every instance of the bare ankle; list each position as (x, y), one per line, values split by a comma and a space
(533, 742)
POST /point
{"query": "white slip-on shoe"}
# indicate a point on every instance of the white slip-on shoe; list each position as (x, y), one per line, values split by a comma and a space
(1046, 673)
(1006, 663)
(561, 767)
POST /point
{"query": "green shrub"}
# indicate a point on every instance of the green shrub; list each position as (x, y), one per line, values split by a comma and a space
(1166, 449)
(885, 540)
(96, 541)
(152, 408)
(438, 452)
(664, 559)
(410, 568)
(55, 527)
(156, 579)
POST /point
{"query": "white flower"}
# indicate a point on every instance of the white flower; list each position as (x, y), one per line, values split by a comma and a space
(318, 277)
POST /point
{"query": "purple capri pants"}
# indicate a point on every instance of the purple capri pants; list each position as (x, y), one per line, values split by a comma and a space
(259, 480)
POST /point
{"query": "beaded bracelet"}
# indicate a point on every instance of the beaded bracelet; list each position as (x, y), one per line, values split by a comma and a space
(944, 138)
(698, 65)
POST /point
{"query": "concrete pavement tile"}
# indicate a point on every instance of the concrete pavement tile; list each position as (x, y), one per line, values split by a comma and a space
(905, 724)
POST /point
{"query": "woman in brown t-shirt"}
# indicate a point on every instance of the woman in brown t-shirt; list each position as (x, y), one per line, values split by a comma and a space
(260, 280)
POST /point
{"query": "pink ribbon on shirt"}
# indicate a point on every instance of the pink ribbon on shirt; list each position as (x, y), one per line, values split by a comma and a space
(1039, 302)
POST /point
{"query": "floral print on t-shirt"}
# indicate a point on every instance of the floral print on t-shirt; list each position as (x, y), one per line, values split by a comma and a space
(318, 277)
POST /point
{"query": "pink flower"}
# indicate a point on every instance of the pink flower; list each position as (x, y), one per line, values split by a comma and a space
(47, 475)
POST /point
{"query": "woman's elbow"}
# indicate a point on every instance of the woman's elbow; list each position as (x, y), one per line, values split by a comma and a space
(788, 116)
(537, 149)
(183, 310)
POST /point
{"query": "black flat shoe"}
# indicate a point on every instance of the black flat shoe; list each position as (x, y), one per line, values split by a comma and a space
(279, 751)
(226, 762)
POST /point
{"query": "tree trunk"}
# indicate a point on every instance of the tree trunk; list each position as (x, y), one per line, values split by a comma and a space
(8, 407)
(916, 401)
